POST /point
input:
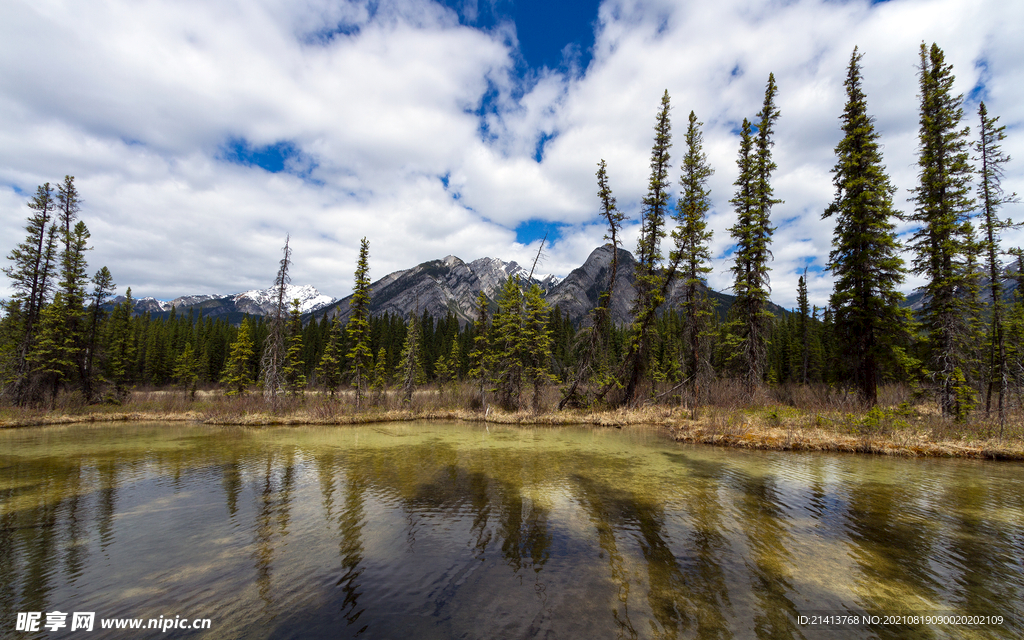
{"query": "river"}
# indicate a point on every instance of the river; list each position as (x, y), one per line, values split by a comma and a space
(434, 530)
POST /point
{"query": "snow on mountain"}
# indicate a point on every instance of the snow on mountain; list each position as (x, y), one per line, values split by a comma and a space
(264, 299)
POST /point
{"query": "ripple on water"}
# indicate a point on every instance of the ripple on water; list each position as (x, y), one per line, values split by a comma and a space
(449, 531)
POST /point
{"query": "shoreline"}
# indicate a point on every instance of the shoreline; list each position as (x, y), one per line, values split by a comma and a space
(743, 434)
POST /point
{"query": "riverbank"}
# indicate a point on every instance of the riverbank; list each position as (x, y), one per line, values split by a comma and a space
(903, 431)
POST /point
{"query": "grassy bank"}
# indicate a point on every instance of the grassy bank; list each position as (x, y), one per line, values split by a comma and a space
(794, 419)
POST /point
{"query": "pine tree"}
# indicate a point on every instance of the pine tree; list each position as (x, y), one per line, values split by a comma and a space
(238, 369)
(411, 362)
(803, 306)
(68, 207)
(940, 244)
(103, 287)
(693, 253)
(31, 280)
(594, 337)
(992, 197)
(120, 347)
(328, 371)
(478, 357)
(74, 277)
(53, 353)
(865, 256)
(379, 386)
(293, 373)
(746, 339)
(507, 368)
(186, 370)
(30, 267)
(650, 282)
(358, 327)
(536, 342)
(447, 368)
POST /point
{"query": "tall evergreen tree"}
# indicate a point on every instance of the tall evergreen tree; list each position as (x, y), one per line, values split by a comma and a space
(238, 369)
(507, 368)
(120, 347)
(328, 371)
(595, 336)
(31, 274)
(747, 329)
(103, 288)
(536, 342)
(411, 362)
(941, 243)
(31, 262)
(803, 306)
(379, 385)
(649, 281)
(991, 196)
(293, 374)
(186, 370)
(68, 206)
(693, 253)
(865, 256)
(479, 356)
(358, 327)
(74, 277)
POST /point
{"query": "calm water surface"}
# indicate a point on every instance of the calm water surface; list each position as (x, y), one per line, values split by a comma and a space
(426, 530)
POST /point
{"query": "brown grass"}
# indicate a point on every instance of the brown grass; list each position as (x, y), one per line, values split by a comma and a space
(786, 417)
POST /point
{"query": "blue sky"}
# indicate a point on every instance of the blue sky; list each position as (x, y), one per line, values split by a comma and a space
(201, 132)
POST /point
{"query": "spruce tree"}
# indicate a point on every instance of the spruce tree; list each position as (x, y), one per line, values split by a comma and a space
(536, 342)
(650, 282)
(411, 363)
(507, 368)
(186, 370)
(746, 344)
(120, 348)
(328, 371)
(103, 287)
(31, 274)
(294, 371)
(803, 307)
(379, 386)
(693, 253)
(358, 327)
(865, 256)
(594, 337)
(31, 262)
(941, 243)
(479, 356)
(238, 369)
(53, 353)
(991, 196)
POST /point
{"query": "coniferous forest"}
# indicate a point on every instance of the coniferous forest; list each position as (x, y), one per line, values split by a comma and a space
(64, 344)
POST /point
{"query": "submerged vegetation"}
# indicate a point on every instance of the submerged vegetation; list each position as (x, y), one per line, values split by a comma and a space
(858, 375)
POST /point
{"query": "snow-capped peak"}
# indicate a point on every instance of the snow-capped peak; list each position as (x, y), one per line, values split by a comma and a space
(309, 298)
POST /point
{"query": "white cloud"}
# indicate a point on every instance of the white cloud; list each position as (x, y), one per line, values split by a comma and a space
(141, 100)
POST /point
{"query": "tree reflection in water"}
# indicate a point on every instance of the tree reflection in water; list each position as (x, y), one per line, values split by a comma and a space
(443, 531)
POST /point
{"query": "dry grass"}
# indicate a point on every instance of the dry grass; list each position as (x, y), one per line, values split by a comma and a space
(786, 417)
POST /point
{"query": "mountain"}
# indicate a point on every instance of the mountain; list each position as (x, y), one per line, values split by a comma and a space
(452, 285)
(438, 287)
(254, 302)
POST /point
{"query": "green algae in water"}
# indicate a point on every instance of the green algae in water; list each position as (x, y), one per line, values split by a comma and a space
(433, 530)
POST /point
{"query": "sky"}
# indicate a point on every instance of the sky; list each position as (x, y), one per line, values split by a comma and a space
(202, 133)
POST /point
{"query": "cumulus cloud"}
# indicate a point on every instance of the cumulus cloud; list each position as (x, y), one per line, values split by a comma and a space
(394, 121)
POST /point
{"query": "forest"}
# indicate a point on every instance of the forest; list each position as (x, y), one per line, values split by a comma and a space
(63, 343)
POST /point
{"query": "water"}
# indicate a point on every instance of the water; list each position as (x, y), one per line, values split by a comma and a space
(432, 530)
